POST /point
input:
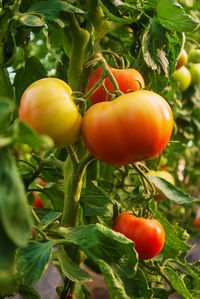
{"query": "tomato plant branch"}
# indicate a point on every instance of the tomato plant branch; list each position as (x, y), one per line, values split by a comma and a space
(80, 41)
(40, 232)
(73, 155)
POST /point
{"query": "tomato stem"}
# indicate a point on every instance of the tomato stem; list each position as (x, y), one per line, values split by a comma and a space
(80, 41)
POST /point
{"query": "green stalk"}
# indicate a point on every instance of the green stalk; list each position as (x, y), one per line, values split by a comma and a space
(80, 41)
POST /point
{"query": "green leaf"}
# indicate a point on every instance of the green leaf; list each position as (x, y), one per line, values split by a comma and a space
(32, 71)
(161, 48)
(28, 293)
(31, 20)
(47, 216)
(24, 134)
(14, 211)
(170, 191)
(6, 89)
(172, 16)
(7, 250)
(32, 261)
(121, 12)
(96, 202)
(177, 282)
(52, 10)
(6, 112)
(8, 283)
(173, 244)
(69, 268)
(111, 251)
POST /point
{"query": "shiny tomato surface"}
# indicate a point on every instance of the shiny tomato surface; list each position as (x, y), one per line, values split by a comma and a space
(127, 79)
(134, 127)
(147, 234)
(47, 106)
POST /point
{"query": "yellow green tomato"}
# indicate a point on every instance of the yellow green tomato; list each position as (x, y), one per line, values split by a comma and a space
(48, 108)
(183, 77)
(194, 55)
(195, 72)
(164, 175)
(182, 59)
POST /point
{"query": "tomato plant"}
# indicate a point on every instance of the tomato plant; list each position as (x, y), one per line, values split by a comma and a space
(47, 106)
(37, 203)
(127, 79)
(183, 77)
(135, 126)
(147, 234)
(88, 104)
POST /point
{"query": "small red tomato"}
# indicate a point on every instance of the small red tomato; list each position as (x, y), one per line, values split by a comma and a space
(197, 222)
(147, 234)
(127, 79)
(37, 203)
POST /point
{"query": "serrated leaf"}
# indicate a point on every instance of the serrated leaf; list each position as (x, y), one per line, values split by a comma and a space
(110, 250)
(161, 48)
(31, 20)
(173, 245)
(52, 10)
(14, 211)
(177, 282)
(32, 261)
(26, 135)
(170, 191)
(131, 13)
(69, 268)
(172, 16)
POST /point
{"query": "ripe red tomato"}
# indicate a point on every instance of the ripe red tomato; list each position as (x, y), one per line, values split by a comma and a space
(47, 106)
(147, 234)
(127, 79)
(182, 59)
(37, 203)
(134, 127)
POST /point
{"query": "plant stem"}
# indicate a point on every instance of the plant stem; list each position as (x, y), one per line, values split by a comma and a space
(80, 41)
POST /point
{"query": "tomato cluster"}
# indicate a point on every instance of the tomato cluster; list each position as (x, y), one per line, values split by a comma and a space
(187, 69)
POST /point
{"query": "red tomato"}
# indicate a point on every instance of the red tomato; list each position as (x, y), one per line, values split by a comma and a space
(134, 127)
(127, 79)
(147, 234)
(197, 222)
(37, 203)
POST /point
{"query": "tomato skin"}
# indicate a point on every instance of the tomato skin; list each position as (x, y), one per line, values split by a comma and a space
(194, 55)
(134, 127)
(183, 77)
(194, 69)
(37, 203)
(47, 106)
(164, 175)
(127, 79)
(182, 59)
(197, 222)
(147, 234)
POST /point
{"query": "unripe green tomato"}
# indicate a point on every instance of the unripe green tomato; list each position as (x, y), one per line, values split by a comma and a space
(195, 72)
(164, 175)
(194, 55)
(183, 77)
(182, 59)
(48, 108)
